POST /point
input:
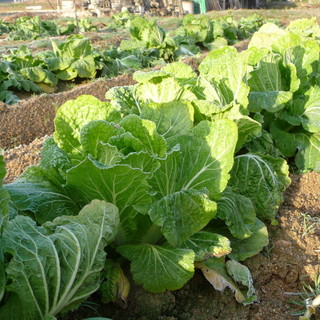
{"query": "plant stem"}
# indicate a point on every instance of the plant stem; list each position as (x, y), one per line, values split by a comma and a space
(311, 309)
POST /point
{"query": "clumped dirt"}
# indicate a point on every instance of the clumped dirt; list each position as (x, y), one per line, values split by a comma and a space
(21, 157)
(12, 18)
(242, 45)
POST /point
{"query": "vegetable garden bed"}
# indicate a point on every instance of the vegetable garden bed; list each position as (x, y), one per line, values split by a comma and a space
(76, 58)
(186, 166)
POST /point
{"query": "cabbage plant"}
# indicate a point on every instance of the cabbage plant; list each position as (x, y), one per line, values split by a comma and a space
(185, 197)
(284, 89)
(52, 268)
(176, 172)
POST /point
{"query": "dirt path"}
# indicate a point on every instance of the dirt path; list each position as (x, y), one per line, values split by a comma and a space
(292, 257)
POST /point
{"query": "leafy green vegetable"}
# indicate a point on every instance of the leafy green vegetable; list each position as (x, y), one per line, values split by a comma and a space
(79, 55)
(305, 27)
(182, 214)
(37, 193)
(34, 27)
(284, 90)
(218, 66)
(182, 158)
(246, 248)
(238, 213)
(266, 36)
(146, 33)
(262, 179)
(110, 183)
(73, 58)
(214, 34)
(114, 182)
(64, 257)
(181, 169)
(173, 267)
(68, 123)
(116, 284)
(122, 19)
(267, 90)
(206, 245)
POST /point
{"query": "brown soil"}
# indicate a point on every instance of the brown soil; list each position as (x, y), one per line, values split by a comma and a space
(12, 18)
(21, 157)
(105, 44)
(242, 45)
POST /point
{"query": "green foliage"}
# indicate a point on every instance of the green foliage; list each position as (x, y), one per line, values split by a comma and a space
(122, 19)
(54, 267)
(213, 34)
(147, 34)
(284, 88)
(195, 31)
(308, 300)
(4, 206)
(71, 59)
(76, 58)
(222, 274)
(191, 164)
(31, 28)
(171, 172)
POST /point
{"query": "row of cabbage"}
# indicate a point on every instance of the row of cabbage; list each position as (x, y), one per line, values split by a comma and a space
(75, 57)
(31, 28)
(196, 31)
(177, 172)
